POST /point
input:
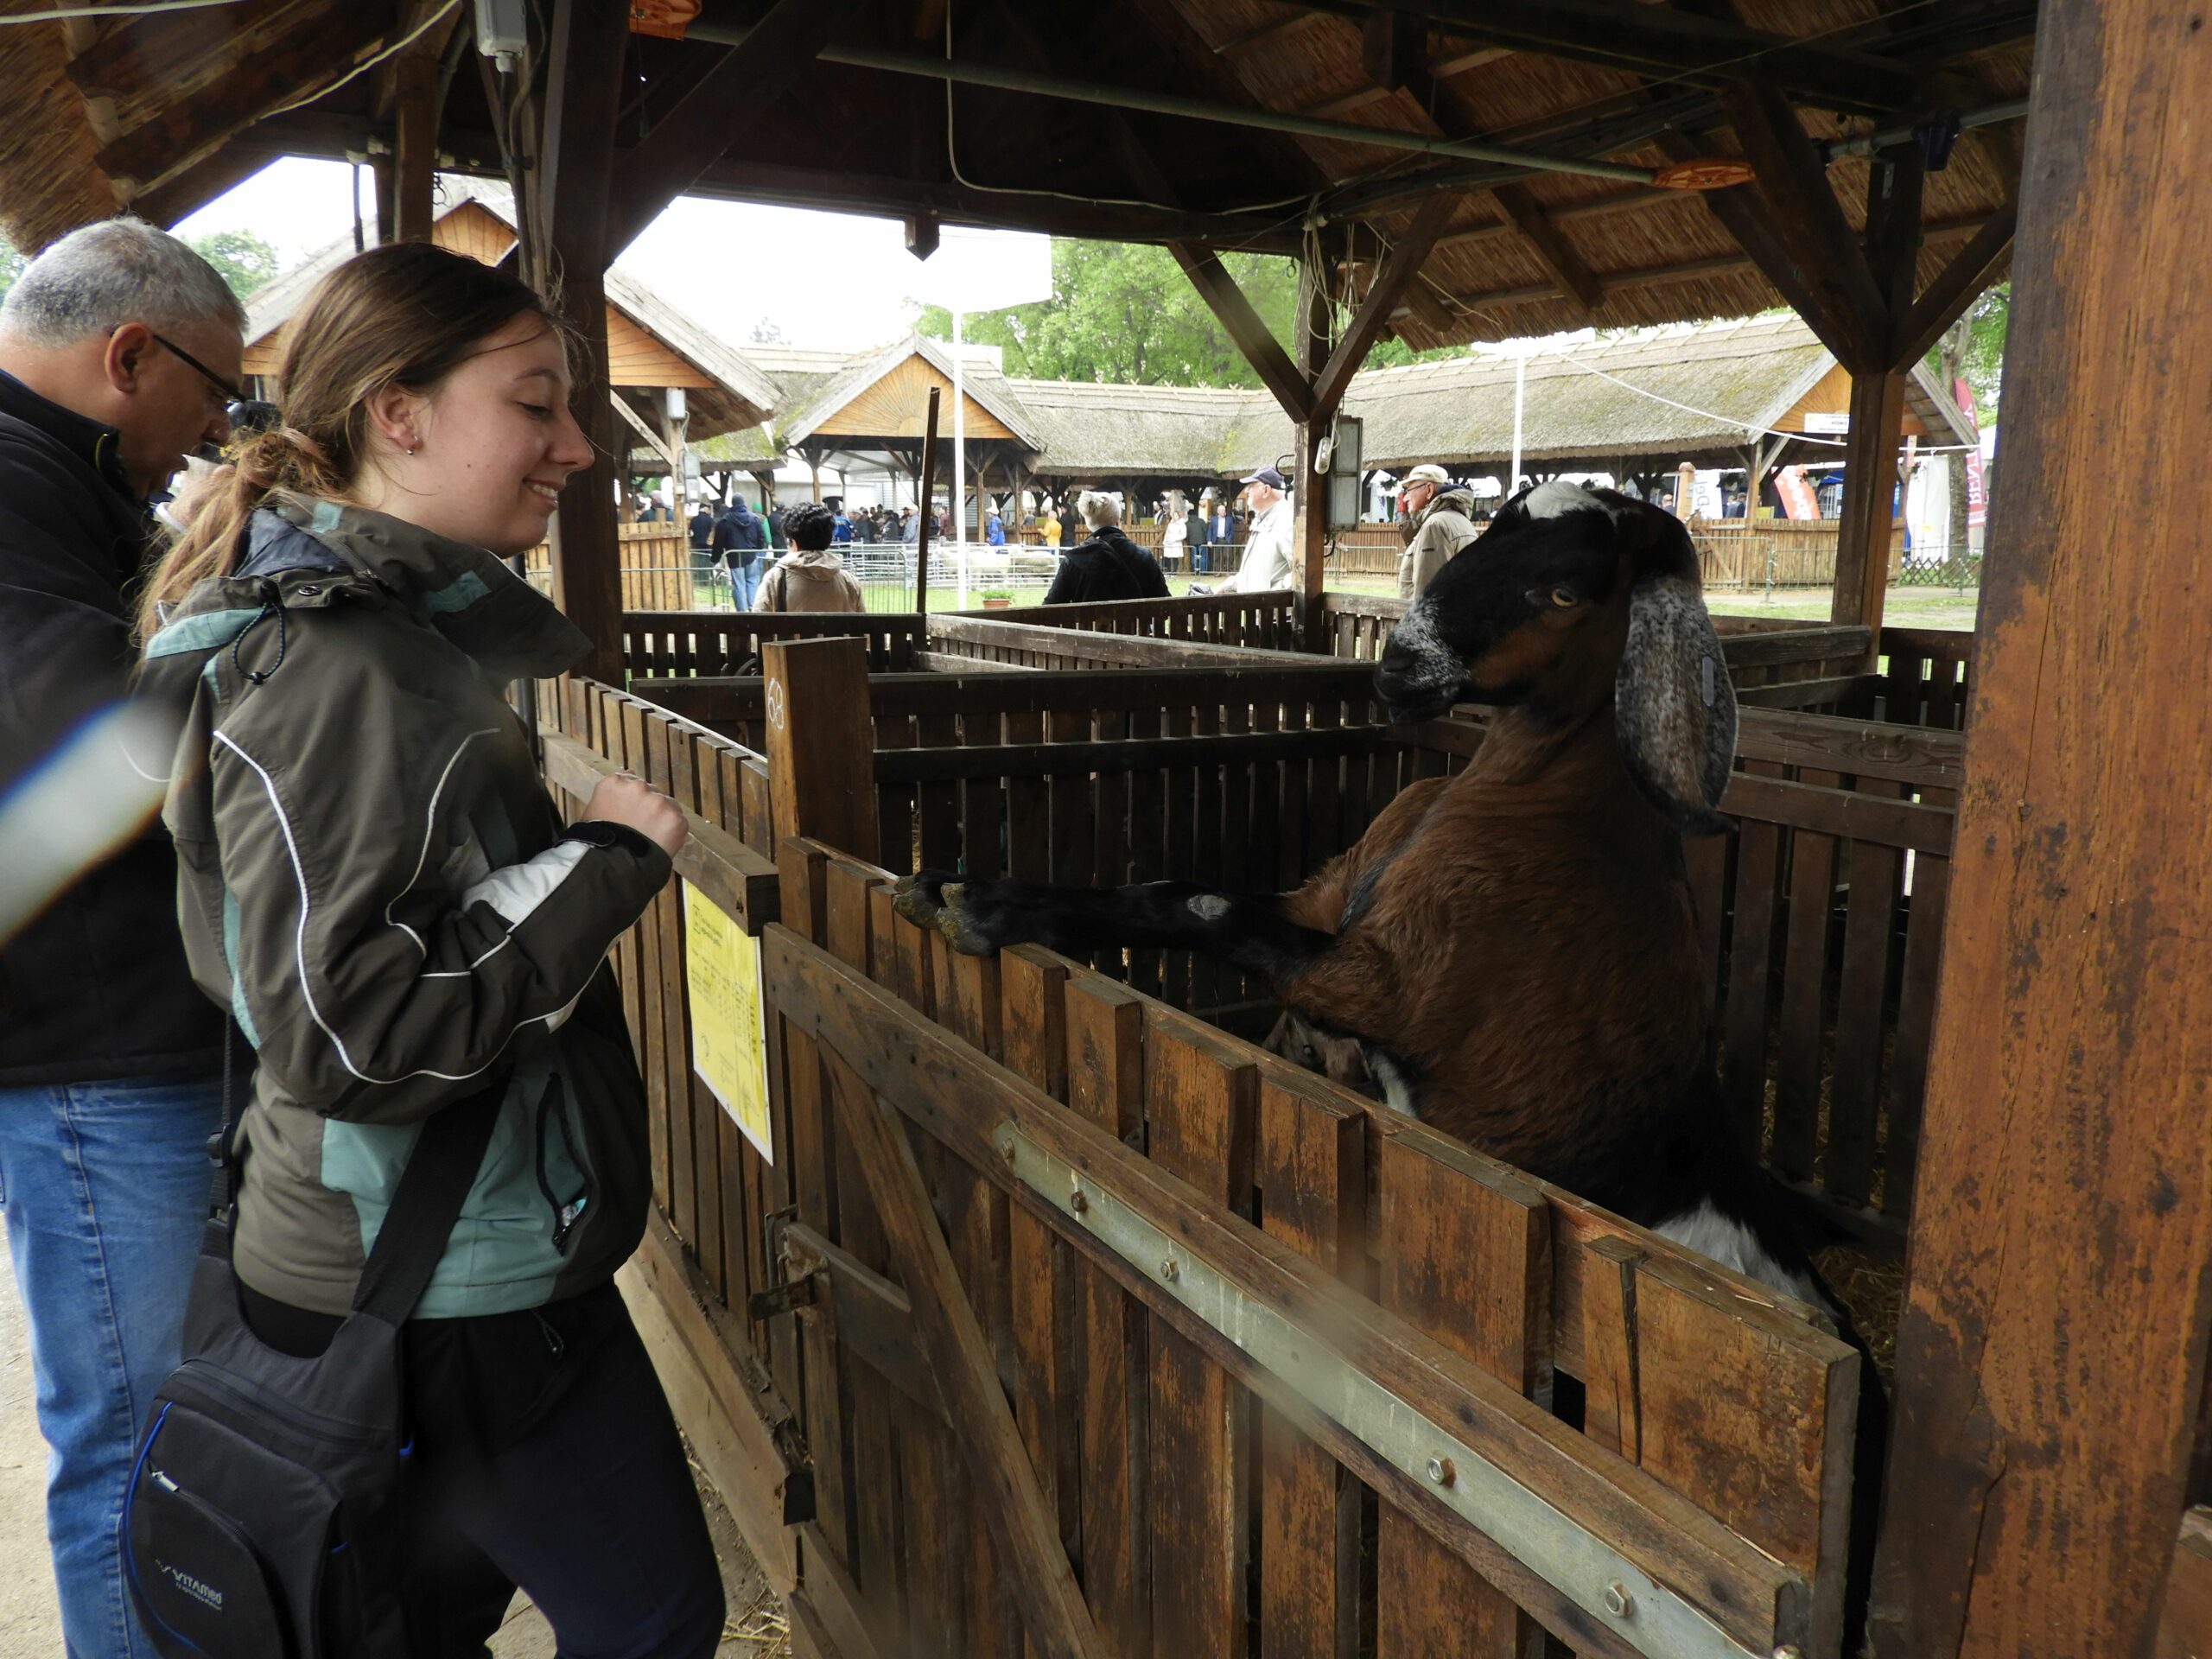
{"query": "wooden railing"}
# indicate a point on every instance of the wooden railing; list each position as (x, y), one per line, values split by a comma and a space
(662, 644)
(1773, 662)
(1929, 677)
(1265, 621)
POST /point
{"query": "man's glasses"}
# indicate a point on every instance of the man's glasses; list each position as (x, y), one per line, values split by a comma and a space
(230, 394)
(227, 393)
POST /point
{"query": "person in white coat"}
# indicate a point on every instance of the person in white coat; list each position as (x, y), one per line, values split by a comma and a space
(1267, 562)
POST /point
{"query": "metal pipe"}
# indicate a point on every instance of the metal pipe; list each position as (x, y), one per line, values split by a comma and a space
(1866, 144)
(1130, 97)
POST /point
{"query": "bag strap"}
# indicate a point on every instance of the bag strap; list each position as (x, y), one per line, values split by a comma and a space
(439, 1173)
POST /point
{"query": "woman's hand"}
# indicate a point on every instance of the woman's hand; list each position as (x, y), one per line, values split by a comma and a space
(627, 798)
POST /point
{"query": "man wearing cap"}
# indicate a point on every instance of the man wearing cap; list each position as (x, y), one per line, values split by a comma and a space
(1267, 551)
(1439, 520)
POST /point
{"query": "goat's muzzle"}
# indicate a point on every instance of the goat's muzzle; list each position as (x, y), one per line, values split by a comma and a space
(1417, 685)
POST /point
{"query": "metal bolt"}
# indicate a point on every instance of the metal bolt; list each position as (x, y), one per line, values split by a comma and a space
(1170, 1270)
(1618, 1602)
(1442, 1471)
(1078, 1201)
(1006, 1151)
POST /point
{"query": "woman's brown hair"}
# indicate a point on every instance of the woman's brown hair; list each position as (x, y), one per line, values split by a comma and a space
(405, 315)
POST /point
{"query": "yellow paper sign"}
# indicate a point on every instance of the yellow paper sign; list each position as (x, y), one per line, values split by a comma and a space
(729, 1036)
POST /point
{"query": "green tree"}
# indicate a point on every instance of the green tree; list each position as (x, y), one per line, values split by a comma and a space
(245, 260)
(1124, 312)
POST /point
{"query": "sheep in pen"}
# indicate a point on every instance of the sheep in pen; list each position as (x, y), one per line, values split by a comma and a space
(1511, 954)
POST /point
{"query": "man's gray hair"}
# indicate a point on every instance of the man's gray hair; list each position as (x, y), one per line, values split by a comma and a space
(1098, 508)
(96, 279)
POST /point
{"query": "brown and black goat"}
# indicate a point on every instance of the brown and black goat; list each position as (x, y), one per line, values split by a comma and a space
(1515, 949)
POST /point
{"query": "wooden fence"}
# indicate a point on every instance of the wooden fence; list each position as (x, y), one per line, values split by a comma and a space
(656, 565)
(1773, 662)
(1019, 1329)
(1928, 677)
(662, 644)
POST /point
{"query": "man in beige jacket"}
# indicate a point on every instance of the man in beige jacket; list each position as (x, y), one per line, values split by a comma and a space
(812, 575)
(1442, 521)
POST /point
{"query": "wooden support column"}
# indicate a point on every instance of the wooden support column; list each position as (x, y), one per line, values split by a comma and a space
(1870, 466)
(416, 80)
(1310, 494)
(1870, 477)
(589, 45)
(2052, 1359)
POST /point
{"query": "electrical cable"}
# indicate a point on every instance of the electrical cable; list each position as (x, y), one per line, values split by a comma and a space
(361, 69)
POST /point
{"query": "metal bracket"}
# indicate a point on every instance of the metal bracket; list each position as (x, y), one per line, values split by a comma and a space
(793, 1294)
(1617, 1593)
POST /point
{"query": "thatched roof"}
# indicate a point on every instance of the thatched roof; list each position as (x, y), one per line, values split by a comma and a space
(740, 397)
(161, 112)
(1682, 394)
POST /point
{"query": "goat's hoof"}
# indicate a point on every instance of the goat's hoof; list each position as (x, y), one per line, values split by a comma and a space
(929, 899)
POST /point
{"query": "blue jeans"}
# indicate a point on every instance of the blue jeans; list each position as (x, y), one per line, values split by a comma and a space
(745, 582)
(104, 1186)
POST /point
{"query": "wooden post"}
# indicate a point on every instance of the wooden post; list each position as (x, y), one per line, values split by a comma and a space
(1870, 478)
(2051, 1360)
(416, 80)
(1309, 494)
(824, 787)
(590, 45)
(925, 518)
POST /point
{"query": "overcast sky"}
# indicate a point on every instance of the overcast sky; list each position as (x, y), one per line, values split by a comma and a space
(833, 281)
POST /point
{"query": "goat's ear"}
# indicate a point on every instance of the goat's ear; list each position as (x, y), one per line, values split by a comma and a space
(1673, 706)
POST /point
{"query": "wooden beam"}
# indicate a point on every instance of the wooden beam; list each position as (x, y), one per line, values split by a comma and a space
(415, 83)
(1552, 249)
(584, 72)
(1310, 493)
(1807, 219)
(1955, 288)
(2051, 1356)
(1396, 275)
(1682, 46)
(693, 135)
(1738, 211)
(182, 134)
(1261, 348)
(230, 165)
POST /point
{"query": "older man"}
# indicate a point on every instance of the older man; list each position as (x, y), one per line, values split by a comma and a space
(1438, 521)
(119, 352)
(1267, 562)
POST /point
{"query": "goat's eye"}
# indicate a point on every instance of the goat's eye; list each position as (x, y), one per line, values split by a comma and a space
(1565, 598)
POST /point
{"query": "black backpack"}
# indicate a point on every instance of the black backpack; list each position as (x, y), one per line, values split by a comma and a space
(255, 1521)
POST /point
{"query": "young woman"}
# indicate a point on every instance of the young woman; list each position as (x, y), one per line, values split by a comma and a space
(376, 886)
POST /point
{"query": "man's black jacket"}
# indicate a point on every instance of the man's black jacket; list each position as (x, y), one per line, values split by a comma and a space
(1107, 566)
(740, 533)
(96, 985)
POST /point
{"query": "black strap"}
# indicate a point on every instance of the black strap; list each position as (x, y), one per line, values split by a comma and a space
(439, 1173)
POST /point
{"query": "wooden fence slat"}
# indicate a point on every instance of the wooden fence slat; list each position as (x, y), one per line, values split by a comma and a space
(1923, 943)
(1804, 998)
(1105, 1034)
(1200, 1095)
(1611, 1413)
(1750, 951)
(1854, 1082)
(651, 1030)
(1310, 1162)
(1466, 1259)
(1720, 1385)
